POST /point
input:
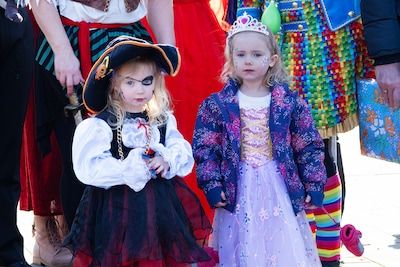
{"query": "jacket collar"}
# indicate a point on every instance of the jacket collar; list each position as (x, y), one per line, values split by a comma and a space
(279, 109)
(229, 92)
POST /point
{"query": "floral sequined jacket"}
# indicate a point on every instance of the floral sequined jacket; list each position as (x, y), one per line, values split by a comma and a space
(296, 144)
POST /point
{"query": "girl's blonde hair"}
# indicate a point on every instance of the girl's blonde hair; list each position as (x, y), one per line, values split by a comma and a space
(159, 105)
(275, 74)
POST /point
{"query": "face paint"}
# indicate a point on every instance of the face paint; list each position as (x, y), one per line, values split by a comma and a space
(251, 57)
(265, 61)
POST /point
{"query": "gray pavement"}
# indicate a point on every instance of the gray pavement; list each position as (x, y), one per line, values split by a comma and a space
(372, 205)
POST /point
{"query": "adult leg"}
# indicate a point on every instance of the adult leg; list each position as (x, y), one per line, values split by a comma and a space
(54, 97)
(341, 173)
(16, 62)
(71, 188)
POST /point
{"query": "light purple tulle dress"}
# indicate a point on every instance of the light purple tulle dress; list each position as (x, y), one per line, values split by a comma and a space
(263, 230)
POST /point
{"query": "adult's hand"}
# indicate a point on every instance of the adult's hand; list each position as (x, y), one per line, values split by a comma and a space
(66, 65)
(396, 97)
(67, 70)
(388, 78)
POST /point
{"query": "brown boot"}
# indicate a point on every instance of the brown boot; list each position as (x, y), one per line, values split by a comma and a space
(47, 249)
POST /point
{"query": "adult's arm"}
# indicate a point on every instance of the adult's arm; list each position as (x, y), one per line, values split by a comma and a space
(382, 30)
(382, 34)
(66, 64)
(161, 19)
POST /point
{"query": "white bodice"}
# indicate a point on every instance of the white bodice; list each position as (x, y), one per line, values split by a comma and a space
(94, 164)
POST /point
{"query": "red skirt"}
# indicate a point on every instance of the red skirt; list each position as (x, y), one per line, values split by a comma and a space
(39, 176)
(201, 42)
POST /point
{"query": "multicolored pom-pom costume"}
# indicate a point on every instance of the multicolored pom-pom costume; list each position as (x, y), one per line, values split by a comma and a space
(324, 51)
(323, 55)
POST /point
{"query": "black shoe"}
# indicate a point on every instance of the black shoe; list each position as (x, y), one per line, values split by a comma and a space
(330, 263)
(20, 264)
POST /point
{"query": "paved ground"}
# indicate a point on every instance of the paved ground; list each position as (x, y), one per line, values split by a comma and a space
(372, 205)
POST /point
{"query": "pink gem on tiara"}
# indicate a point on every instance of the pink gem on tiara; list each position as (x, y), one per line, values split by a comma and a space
(247, 23)
(244, 19)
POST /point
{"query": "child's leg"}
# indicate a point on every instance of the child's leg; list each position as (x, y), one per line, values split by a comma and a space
(328, 231)
(11, 11)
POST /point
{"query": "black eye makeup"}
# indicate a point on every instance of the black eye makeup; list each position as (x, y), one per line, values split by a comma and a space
(146, 81)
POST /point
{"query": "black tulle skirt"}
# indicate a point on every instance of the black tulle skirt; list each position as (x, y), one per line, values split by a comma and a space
(120, 227)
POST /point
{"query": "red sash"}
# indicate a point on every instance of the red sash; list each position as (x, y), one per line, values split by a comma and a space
(84, 40)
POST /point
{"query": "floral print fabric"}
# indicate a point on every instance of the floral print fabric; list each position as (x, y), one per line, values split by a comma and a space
(297, 147)
(379, 126)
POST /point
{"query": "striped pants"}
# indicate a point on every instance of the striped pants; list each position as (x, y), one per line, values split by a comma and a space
(327, 230)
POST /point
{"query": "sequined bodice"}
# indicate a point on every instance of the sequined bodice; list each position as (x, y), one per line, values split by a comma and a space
(256, 148)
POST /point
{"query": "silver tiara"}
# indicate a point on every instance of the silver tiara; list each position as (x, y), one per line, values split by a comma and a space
(247, 23)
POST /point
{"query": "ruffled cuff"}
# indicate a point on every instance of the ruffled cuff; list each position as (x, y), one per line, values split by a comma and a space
(162, 151)
(179, 163)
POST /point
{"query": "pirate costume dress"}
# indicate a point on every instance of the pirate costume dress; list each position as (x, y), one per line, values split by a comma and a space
(128, 215)
(143, 218)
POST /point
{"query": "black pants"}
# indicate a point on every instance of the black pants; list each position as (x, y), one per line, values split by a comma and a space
(50, 103)
(16, 65)
(332, 168)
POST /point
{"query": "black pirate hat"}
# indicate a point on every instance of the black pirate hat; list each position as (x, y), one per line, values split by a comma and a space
(119, 51)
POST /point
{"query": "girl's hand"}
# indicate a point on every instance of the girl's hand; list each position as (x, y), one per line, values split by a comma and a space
(223, 202)
(309, 205)
(159, 165)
